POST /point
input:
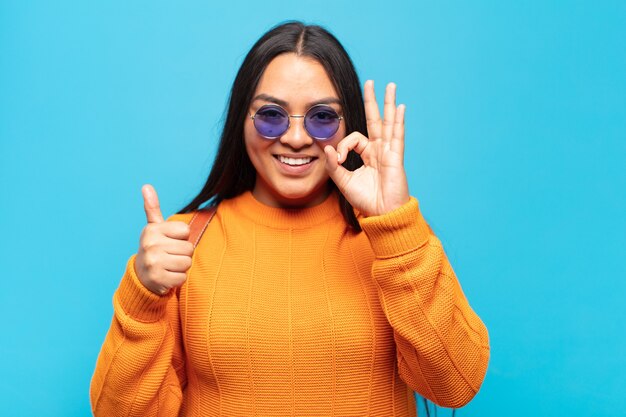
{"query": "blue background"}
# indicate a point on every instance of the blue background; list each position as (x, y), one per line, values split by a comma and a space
(516, 133)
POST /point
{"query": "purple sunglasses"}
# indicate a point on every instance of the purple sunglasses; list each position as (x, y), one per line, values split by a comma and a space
(272, 121)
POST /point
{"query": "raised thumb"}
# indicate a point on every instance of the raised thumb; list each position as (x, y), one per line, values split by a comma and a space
(151, 204)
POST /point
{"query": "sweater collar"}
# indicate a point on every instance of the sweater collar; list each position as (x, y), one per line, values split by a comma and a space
(282, 218)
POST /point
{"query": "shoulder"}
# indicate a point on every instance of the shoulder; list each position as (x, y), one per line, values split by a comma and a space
(184, 217)
(199, 215)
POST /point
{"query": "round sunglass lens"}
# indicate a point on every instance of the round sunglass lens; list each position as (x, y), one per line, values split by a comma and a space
(271, 121)
(322, 122)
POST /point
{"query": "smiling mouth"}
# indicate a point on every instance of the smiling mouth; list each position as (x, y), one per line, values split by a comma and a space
(294, 162)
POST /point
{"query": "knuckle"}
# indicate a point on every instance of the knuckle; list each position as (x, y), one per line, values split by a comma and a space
(148, 245)
(146, 233)
(144, 243)
(151, 232)
(149, 261)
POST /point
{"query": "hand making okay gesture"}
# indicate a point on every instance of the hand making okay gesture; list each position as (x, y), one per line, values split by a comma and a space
(380, 185)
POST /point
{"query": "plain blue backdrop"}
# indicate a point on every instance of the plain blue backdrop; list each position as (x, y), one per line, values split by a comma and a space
(516, 150)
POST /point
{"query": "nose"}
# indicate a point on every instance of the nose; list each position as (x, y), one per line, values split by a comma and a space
(296, 136)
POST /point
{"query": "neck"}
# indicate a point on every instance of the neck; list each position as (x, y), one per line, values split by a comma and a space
(272, 198)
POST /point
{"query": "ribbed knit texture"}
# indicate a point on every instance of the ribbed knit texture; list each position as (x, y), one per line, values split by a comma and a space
(290, 313)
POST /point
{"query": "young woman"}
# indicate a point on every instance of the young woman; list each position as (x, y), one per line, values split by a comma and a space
(318, 288)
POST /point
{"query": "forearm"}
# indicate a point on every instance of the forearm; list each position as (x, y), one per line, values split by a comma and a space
(139, 361)
(442, 345)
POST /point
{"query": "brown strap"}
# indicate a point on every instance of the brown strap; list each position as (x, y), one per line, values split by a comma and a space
(198, 224)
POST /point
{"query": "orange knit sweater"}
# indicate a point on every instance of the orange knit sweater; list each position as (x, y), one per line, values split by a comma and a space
(290, 313)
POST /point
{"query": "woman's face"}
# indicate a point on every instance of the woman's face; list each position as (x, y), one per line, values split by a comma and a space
(290, 170)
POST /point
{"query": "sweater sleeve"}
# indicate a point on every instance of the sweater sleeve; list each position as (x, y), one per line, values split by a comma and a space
(442, 346)
(140, 370)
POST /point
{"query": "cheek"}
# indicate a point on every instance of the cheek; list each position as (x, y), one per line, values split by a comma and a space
(247, 140)
(258, 151)
(341, 133)
(252, 144)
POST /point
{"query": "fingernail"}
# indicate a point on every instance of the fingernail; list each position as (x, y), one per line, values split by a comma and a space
(338, 157)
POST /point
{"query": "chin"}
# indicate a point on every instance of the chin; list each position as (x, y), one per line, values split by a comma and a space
(301, 196)
(295, 196)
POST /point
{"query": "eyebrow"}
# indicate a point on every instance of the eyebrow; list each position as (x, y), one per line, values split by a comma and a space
(283, 103)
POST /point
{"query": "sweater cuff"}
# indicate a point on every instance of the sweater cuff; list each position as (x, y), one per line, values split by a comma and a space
(397, 232)
(136, 300)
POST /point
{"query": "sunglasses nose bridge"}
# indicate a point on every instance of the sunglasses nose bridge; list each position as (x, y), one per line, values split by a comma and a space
(296, 135)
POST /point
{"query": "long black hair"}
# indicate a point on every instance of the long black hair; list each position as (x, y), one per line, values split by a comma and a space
(232, 172)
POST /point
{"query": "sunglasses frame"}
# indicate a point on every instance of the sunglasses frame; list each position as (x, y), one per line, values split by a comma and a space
(297, 116)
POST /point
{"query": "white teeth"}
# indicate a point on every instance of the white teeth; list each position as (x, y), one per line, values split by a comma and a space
(294, 161)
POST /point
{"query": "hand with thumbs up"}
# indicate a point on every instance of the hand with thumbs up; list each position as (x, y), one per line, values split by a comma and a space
(164, 254)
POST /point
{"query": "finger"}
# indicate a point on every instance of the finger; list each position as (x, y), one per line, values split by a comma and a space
(389, 110)
(178, 247)
(372, 114)
(332, 158)
(151, 204)
(176, 279)
(354, 141)
(176, 263)
(397, 140)
(175, 230)
(336, 172)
